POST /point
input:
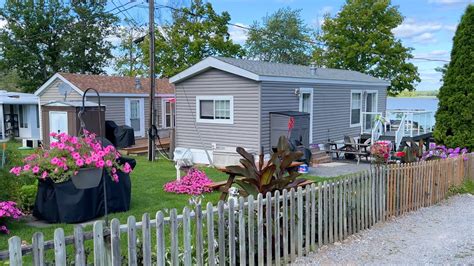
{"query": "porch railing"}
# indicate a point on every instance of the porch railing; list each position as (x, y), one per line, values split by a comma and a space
(400, 133)
(417, 121)
(377, 131)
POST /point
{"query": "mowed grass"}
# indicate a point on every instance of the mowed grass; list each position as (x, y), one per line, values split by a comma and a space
(148, 196)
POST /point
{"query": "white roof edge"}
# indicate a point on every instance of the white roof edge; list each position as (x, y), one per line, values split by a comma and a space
(39, 91)
(323, 81)
(212, 62)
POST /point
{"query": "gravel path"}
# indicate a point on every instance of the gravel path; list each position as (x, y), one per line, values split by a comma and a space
(442, 234)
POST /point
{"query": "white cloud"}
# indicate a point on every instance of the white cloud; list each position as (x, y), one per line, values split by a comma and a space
(411, 28)
(448, 2)
(425, 38)
(3, 23)
(451, 28)
(237, 34)
(326, 9)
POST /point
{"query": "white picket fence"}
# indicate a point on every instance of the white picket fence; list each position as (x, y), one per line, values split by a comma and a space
(263, 231)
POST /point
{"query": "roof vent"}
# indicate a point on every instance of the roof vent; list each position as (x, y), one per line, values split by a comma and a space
(313, 69)
(138, 83)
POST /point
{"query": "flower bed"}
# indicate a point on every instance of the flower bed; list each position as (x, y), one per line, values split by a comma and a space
(8, 210)
(442, 152)
(195, 182)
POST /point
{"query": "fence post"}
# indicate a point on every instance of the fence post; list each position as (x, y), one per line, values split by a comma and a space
(260, 232)
(300, 221)
(132, 240)
(285, 227)
(80, 256)
(320, 215)
(14, 251)
(292, 238)
(160, 239)
(232, 249)
(242, 238)
(115, 242)
(187, 237)
(251, 232)
(174, 237)
(276, 220)
(210, 234)
(199, 236)
(268, 226)
(221, 232)
(99, 244)
(146, 239)
(38, 249)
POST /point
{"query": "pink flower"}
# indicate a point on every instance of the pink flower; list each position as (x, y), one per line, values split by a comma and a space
(61, 146)
(115, 177)
(100, 164)
(76, 156)
(88, 160)
(26, 167)
(35, 169)
(79, 162)
(108, 163)
(44, 175)
(127, 168)
(55, 160)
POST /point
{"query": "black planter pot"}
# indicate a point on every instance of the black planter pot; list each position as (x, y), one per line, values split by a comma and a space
(64, 203)
(87, 178)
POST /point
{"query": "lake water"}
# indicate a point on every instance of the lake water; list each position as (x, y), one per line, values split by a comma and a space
(420, 103)
(426, 103)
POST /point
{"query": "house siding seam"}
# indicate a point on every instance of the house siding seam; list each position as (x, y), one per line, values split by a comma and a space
(331, 108)
(243, 132)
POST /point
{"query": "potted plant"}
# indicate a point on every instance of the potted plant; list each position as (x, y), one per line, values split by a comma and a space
(380, 151)
(81, 159)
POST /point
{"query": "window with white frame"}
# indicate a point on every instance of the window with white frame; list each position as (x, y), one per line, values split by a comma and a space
(356, 107)
(168, 113)
(215, 109)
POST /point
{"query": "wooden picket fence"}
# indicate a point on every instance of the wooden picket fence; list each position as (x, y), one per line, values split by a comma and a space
(266, 230)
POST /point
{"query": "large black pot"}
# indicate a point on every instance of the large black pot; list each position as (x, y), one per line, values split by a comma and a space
(64, 203)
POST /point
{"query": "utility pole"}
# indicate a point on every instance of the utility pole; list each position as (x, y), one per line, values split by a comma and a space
(151, 139)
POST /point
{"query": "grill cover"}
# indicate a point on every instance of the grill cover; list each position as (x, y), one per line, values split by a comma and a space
(120, 136)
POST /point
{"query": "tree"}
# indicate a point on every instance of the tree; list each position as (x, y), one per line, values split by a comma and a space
(283, 37)
(47, 36)
(360, 37)
(455, 115)
(130, 62)
(89, 50)
(194, 33)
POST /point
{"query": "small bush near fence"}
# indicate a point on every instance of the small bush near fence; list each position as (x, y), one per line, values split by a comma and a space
(265, 230)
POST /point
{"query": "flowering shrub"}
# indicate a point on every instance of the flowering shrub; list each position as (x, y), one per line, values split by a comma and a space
(69, 154)
(380, 151)
(442, 152)
(8, 210)
(194, 183)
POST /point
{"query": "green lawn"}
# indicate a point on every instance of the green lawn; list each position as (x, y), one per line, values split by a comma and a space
(148, 195)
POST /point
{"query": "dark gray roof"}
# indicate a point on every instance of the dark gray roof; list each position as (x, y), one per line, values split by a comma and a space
(263, 68)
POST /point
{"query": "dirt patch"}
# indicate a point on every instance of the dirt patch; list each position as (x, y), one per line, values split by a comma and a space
(441, 234)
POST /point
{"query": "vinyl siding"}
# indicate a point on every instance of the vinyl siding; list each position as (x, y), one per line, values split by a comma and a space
(51, 94)
(331, 108)
(245, 129)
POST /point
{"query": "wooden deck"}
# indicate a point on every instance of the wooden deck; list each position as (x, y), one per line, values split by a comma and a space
(390, 135)
(141, 146)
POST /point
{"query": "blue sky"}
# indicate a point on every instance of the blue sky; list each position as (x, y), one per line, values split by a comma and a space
(428, 27)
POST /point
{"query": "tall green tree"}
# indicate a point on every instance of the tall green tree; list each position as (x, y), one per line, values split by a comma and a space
(194, 33)
(360, 37)
(42, 37)
(282, 37)
(455, 115)
(89, 49)
(129, 61)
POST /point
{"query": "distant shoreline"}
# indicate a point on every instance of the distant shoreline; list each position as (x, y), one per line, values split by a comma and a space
(419, 96)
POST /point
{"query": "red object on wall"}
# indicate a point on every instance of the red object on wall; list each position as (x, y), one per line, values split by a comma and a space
(291, 123)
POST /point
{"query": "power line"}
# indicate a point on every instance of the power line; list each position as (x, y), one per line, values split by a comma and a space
(431, 59)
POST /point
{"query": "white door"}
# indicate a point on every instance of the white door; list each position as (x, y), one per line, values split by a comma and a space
(135, 115)
(58, 122)
(306, 105)
(370, 109)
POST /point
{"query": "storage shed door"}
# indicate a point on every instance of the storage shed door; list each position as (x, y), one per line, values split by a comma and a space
(58, 122)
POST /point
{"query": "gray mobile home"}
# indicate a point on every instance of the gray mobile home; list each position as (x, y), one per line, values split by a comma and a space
(222, 103)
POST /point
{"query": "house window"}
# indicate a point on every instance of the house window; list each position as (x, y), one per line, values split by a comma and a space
(168, 120)
(356, 107)
(215, 109)
(23, 117)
